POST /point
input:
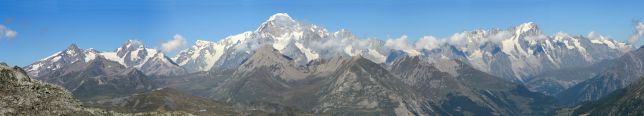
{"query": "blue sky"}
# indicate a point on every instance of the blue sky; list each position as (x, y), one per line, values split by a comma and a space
(47, 26)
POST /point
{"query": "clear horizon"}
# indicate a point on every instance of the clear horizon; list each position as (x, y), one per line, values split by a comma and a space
(45, 27)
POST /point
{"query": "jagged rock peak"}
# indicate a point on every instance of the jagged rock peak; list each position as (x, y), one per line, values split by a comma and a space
(73, 47)
(131, 45)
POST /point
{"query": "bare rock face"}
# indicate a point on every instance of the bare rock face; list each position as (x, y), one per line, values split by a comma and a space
(342, 85)
(452, 87)
(22, 96)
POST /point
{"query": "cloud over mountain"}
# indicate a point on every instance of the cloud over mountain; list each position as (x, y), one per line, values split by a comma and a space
(177, 42)
(428, 42)
(639, 32)
(401, 44)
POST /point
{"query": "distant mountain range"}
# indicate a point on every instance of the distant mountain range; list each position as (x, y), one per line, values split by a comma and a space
(289, 67)
(517, 54)
(132, 55)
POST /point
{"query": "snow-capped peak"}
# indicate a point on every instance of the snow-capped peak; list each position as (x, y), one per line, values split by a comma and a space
(60, 59)
(128, 46)
(204, 54)
(278, 24)
(280, 17)
(527, 29)
(132, 54)
(527, 26)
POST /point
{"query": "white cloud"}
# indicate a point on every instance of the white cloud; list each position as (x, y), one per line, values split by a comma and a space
(401, 44)
(398, 43)
(7, 33)
(428, 42)
(458, 39)
(594, 36)
(639, 32)
(500, 36)
(340, 43)
(177, 42)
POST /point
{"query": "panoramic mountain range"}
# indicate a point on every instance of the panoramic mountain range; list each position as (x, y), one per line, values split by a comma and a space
(288, 67)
